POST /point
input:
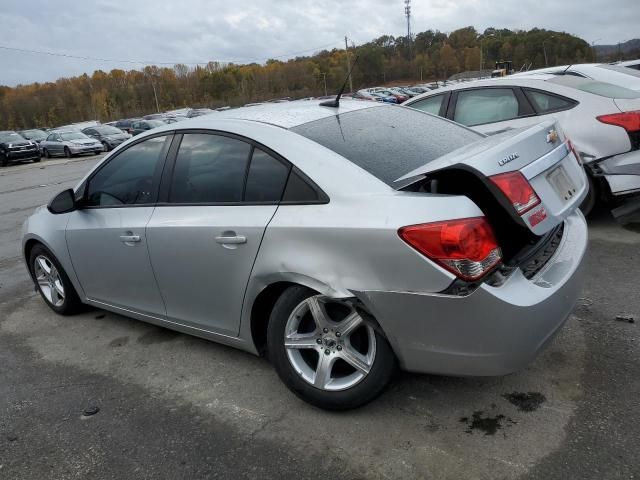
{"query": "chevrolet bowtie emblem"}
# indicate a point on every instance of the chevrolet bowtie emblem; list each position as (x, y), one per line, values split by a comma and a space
(552, 136)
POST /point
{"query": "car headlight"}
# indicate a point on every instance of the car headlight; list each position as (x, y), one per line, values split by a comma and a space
(76, 144)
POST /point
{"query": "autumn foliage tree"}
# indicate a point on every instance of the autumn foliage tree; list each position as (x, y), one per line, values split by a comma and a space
(432, 55)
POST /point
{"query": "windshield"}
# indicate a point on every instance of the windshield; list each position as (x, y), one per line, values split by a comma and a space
(73, 136)
(10, 137)
(155, 123)
(107, 130)
(34, 134)
(388, 141)
(602, 89)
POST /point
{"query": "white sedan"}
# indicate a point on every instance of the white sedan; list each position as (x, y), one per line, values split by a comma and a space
(601, 119)
(602, 72)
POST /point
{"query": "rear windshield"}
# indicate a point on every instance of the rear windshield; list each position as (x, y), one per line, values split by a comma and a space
(388, 141)
(619, 69)
(597, 88)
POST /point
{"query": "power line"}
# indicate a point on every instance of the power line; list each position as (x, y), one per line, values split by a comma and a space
(151, 62)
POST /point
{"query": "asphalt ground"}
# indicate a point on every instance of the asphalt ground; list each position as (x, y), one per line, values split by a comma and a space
(173, 406)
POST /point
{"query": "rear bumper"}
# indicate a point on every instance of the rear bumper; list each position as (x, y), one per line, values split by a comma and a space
(622, 173)
(493, 331)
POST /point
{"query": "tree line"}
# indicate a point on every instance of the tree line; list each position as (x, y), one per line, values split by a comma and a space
(429, 55)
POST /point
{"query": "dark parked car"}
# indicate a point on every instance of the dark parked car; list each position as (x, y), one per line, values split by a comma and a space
(15, 148)
(140, 126)
(109, 136)
(125, 124)
(35, 135)
(198, 112)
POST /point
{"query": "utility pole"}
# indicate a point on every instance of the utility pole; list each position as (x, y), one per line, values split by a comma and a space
(324, 77)
(407, 13)
(155, 95)
(346, 49)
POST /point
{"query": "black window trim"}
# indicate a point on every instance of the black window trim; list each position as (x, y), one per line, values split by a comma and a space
(157, 175)
(165, 183)
(523, 104)
(572, 103)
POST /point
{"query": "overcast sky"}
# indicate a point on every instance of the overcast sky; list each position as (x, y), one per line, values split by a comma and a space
(192, 31)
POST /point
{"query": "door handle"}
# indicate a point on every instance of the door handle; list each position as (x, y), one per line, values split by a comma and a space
(231, 240)
(130, 238)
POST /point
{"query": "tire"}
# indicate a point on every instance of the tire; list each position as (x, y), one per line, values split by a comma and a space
(4, 161)
(590, 200)
(50, 283)
(106, 147)
(36, 160)
(46, 153)
(298, 367)
(67, 152)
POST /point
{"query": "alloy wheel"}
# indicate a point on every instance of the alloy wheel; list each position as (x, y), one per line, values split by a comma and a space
(329, 344)
(49, 280)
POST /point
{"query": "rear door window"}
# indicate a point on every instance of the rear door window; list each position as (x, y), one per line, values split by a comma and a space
(266, 179)
(209, 169)
(486, 105)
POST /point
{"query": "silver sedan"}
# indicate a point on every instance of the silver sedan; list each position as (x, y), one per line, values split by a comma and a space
(342, 241)
(68, 144)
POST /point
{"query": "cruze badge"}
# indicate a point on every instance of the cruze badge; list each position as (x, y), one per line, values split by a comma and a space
(509, 158)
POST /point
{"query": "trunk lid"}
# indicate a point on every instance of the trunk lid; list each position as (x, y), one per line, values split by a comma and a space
(540, 153)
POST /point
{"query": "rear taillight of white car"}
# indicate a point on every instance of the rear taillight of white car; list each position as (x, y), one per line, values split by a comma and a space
(630, 121)
(518, 190)
(466, 247)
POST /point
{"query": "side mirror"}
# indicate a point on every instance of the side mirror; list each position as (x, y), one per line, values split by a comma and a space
(64, 202)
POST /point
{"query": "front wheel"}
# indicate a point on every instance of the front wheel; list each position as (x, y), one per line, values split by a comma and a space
(67, 152)
(4, 161)
(329, 352)
(105, 146)
(46, 153)
(52, 282)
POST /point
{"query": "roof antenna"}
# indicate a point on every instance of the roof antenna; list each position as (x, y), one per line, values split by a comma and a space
(335, 103)
(564, 72)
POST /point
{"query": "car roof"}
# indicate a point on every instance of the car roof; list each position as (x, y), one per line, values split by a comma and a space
(288, 114)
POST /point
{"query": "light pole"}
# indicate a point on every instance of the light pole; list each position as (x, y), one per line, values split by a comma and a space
(481, 54)
(593, 49)
(544, 49)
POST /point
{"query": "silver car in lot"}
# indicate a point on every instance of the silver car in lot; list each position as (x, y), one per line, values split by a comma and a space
(601, 119)
(293, 229)
(69, 143)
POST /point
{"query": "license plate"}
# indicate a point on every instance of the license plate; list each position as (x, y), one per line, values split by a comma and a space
(561, 183)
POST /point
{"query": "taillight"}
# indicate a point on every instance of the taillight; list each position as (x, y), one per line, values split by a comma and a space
(572, 148)
(630, 121)
(466, 247)
(518, 190)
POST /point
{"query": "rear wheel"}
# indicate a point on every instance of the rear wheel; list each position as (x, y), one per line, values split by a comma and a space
(328, 351)
(52, 282)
